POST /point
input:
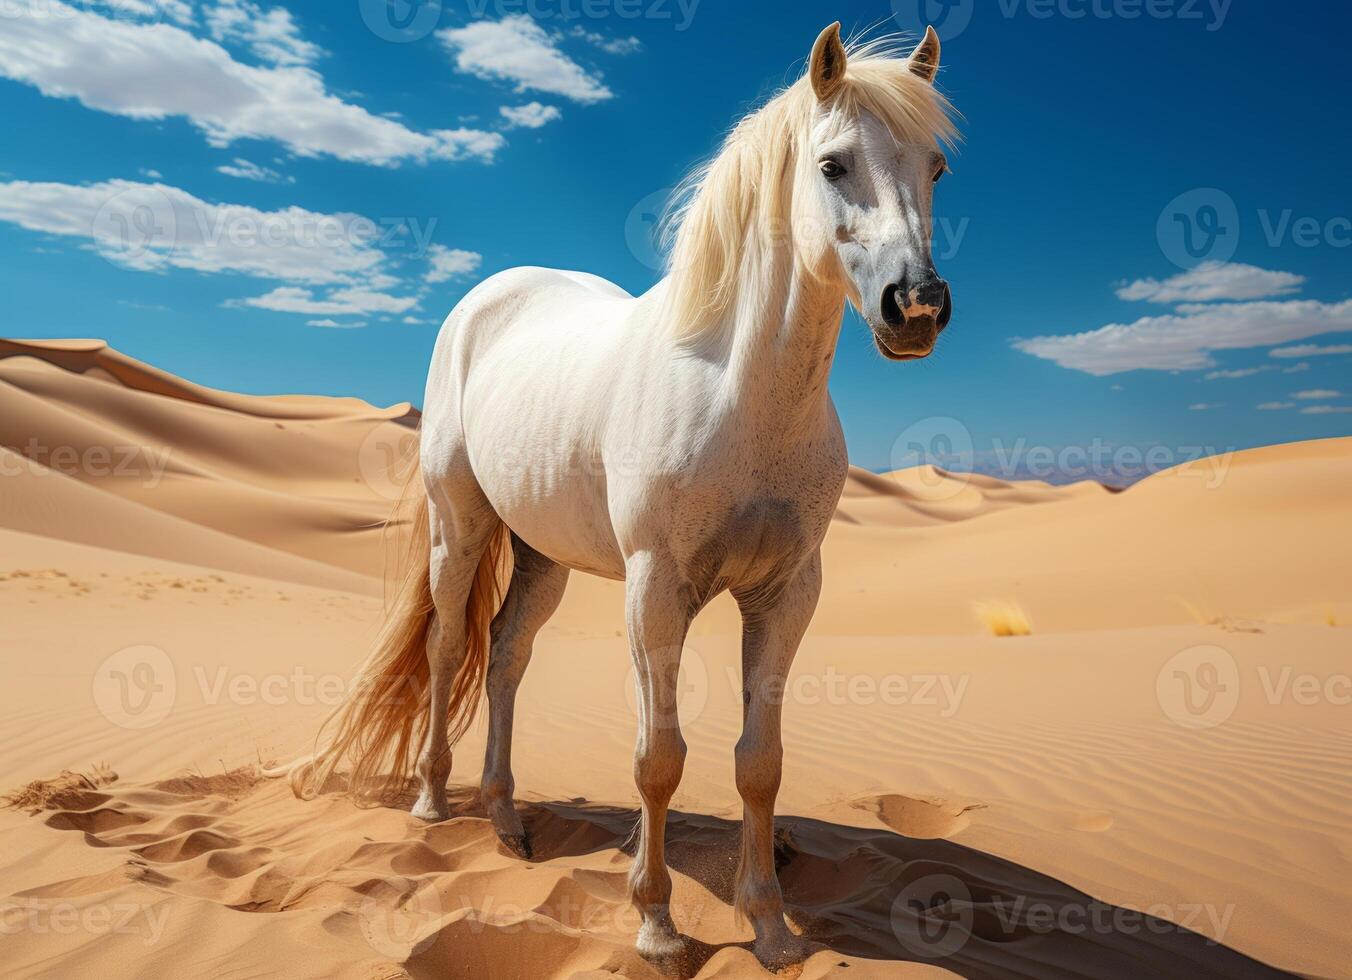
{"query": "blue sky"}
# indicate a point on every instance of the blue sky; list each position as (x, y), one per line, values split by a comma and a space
(360, 163)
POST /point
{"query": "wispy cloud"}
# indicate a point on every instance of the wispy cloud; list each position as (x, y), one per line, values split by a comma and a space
(1311, 350)
(518, 50)
(1205, 407)
(248, 170)
(1327, 410)
(1275, 406)
(271, 34)
(532, 115)
(335, 325)
(330, 264)
(447, 263)
(160, 70)
(1183, 341)
(1213, 281)
(157, 227)
(1316, 395)
(337, 302)
(1237, 373)
(610, 45)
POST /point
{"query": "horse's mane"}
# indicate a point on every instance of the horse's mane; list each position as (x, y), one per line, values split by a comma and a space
(727, 212)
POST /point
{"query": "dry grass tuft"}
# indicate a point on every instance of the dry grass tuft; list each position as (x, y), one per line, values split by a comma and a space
(63, 792)
(1003, 617)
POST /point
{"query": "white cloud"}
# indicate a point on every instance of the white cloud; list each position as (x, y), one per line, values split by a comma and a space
(1214, 281)
(1183, 341)
(157, 227)
(176, 10)
(1296, 369)
(1275, 406)
(446, 263)
(248, 170)
(1237, 373)
(151, 173)
(271, 35)
(1326, 410)
(334, 324)
(532, 115)
(338, 302)
(1316, 395)
(1204, 407)
(159, 70)
(518, 50)
(1311, 350)
(610, 45)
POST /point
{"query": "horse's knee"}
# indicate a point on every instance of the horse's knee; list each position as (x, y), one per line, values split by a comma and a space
(658, 768)
(759, 765)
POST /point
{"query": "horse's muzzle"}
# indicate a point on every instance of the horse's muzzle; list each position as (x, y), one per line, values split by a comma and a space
(913, 319)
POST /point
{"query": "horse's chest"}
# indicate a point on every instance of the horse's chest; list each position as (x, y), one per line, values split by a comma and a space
(756, 534)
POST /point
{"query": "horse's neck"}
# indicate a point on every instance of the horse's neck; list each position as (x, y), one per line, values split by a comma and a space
(780, 356)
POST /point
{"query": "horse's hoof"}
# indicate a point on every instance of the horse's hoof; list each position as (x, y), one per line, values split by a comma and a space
(429, 812)
(783, 951)
(659, 943)
(518, 844)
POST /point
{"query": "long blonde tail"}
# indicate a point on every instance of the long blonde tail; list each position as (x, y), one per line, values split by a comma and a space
(381, 725)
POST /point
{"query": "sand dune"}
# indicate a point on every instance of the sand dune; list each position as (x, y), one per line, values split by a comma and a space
(952, 801)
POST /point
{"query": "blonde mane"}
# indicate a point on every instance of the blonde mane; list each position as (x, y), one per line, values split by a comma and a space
(726, 214)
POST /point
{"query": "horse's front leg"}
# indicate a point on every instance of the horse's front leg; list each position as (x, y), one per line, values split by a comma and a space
(773, 624)
(659, 607)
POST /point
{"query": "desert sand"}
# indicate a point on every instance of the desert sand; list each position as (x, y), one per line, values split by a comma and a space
(1156, 781)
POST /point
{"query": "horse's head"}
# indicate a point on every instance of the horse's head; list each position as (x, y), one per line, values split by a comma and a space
(866, 189)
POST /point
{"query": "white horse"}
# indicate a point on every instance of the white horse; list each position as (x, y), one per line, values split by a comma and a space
(683, 441)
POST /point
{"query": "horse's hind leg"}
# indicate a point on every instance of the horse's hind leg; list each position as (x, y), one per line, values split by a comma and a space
(462, 525)
(533, 596)
(771, 631)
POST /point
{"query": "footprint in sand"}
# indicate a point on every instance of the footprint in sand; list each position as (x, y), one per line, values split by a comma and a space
(924, 819)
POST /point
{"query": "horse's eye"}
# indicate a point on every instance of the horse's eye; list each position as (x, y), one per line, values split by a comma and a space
(938, 174)
(832, 170)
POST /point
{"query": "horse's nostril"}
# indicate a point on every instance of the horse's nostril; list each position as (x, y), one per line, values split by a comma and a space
(946, 310)
(891, 306)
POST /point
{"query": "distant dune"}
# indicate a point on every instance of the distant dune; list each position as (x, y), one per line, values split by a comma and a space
(1055, 777)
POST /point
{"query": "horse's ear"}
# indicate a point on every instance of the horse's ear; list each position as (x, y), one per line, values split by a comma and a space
(924, 59)
(827, 67)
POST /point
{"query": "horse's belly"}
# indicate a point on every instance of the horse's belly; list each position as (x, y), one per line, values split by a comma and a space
(554, 499)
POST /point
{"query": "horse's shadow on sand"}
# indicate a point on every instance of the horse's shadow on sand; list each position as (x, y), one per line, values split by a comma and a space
(875, 894)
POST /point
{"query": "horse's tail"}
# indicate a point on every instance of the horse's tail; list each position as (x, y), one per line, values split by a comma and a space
(383, 722)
